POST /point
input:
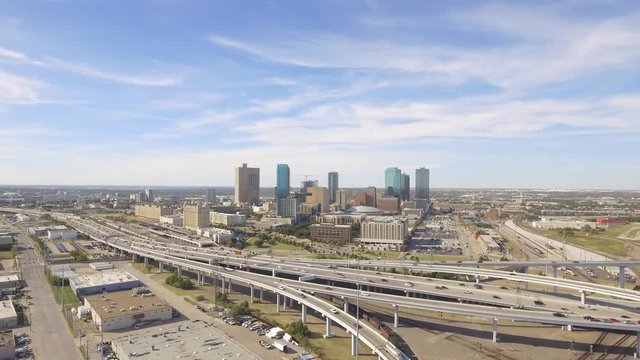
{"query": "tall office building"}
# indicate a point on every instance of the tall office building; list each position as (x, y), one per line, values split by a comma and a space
(405, 188)
(283, 180)
(316, 195)
(333, 186)
(392, 181)
(211, 195)
(195, 216)
(247, 189)
(148, 195)
(373, 192)
(288, 207)
(422, 188)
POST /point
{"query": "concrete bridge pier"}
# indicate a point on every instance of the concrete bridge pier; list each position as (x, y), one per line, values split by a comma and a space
(179, 270)
(354, 345)
(251, 295)
(621, 277)
(638, 343)
(229, 282)
(134, 258)
(526, 283)
(261, 294)
(277, 302)
(160, 266)
(495, 330)
(346, 306)
(199, 278)
(328, 334)
(146, 261)
(223, 284)
(274, 272)
(304, 314)
(477, 279)
(583, 297)
(395, 315)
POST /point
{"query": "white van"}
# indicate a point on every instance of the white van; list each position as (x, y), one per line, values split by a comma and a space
(280, 346)
(274, 333)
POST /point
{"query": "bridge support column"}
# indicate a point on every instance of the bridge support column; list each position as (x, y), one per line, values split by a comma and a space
(223, 284)
(621, 277)
(251, 290)
(638, 343)
(354, 345)
(477, 279)
(274, 272)
(346, 306)
(261, 294)
(569, 327)
(304, 313)
(199, 278)
(555, 275)
(160, 266)
(146, 261)
(495, 330)
(395, 315)
(179, 270)
(328, 334)
(229, 281)
(134, 258)
(284, 302)
(277, 302)
(583, 297)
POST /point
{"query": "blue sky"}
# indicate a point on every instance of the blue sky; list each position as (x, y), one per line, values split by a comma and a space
(168, 92)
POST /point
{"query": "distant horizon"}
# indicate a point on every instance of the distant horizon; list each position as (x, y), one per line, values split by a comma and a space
(155, 187)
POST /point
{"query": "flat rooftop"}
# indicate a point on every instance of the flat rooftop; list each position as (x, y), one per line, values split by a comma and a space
(188, 340)
(6, 309)
(7, 340)
(119, 303)
(9, 278)
(103, 278)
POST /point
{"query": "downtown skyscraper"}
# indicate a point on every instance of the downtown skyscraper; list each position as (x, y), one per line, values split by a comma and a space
(283, 181)
(393, 181)
(422, 188)
(247, 186)
(333, 186)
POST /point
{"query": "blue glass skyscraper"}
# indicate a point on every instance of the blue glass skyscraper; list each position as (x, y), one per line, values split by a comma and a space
(392, 181)
(283, 178)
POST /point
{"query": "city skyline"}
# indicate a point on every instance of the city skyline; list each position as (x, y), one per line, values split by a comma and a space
(179, 94)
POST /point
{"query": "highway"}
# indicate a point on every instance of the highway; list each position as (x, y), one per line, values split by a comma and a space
(372, 284)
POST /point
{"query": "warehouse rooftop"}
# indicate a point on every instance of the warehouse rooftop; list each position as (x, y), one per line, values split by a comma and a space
(119, 303)
(193, 340)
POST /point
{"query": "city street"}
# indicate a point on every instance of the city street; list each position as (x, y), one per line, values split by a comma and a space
(51, 337)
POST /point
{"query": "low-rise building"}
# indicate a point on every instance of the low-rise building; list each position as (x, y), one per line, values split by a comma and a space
(62, 234)
(150, 211)
(488, 244)
(389, 204)
(548, 224)
(330, 233)
(412, 213)
(6, 241)
(10, 281)
(8, 315)
(227, 219)
(219, 236)
(192, 340)
(123, 309)
(175, 220)
(115, 280)
(271, 222)
(7, 345)
(42, 230)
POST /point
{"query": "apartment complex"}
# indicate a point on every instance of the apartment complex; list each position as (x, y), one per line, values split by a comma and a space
(227, 219)
(330, 233)
(384, 232)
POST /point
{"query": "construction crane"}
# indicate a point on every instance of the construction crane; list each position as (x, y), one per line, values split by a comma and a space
(306, 176)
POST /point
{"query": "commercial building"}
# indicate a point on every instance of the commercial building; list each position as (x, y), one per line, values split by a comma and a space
(318, 195)
(283, 181)
(333, 187)
(6, 241)
(124, 309)
(62, 234)
(7, 345)
(42, 230)
(175, 220)
(151, 211)
(330, 233)
(10, 281)
(392, 181)
(344, 196)
(340, 218)
(405, 187)
(272, 222)
(247, 186)
(227, 219)
(364, 199)
(488, 244)
(148, 195)
(219, 236)
(195, 216)
(549, 224)
(422, 188)
(607, 221)
(109, 281)
(192, 340)
(211, 196)
(8, 316)
(412, 213)
(288, 207)
(384, 232)
(389, 204)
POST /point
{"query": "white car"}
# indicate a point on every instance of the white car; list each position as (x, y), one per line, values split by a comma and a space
(364, 294)
(333, 310)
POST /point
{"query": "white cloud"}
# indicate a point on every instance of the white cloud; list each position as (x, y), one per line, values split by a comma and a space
(10, 54)
(19, 90)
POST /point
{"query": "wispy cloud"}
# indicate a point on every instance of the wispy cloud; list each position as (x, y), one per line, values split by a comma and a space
(19, 90)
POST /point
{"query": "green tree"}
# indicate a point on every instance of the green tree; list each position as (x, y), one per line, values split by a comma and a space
(258, 243)
(298, 329)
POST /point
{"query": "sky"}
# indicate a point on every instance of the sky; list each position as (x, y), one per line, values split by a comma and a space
(177, 92)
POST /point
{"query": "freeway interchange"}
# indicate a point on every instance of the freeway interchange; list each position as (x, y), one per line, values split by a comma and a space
(308, 282)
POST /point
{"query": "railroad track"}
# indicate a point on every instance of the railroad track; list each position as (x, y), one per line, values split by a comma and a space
(487, 352)
(598, 341)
